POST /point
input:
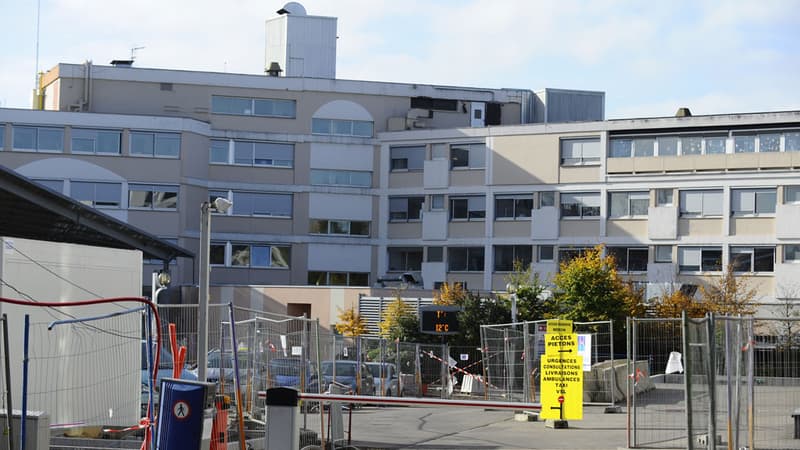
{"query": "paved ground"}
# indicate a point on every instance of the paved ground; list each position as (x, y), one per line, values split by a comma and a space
(477, 429)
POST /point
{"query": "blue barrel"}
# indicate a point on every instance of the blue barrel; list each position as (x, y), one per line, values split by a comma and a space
(184, 407)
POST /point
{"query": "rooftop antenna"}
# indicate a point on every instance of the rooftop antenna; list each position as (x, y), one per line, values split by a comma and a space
(134, 50)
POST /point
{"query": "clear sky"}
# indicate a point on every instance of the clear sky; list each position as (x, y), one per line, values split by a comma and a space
(650, 57)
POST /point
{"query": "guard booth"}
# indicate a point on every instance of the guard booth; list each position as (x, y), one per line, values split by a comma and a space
(185, 415)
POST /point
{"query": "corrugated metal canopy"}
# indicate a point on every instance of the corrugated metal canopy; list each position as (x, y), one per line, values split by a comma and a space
(31, 211)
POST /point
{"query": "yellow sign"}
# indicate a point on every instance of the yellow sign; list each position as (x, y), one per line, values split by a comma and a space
(556, 344)
(559, 327)
(562, 387)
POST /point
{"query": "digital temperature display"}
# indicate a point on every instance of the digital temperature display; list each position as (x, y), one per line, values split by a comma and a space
(437, 319)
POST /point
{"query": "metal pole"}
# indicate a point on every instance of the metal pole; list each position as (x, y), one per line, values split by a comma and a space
(204, 272)
(688, 372)
(236, 381)
(712, 383)
(526, 352)
(24, 416)
(628, 331)
(611, 333)
(750, 384)
(728, 387)
(9, 409)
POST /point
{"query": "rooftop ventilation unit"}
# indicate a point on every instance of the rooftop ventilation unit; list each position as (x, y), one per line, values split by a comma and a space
(683, 112)
(274, 69)
(122, 63)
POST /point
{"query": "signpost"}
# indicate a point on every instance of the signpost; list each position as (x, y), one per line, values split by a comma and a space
(561, 374)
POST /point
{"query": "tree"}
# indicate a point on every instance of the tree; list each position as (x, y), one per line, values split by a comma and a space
(351, 323)
(730, 295)
(787, 329)
(673, 302)
(480, 311)
(450, 294)
(588, 288)
(393, 317)
(529, 289)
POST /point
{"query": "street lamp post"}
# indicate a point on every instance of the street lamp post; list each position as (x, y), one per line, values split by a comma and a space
(219, 205)
(512, 291)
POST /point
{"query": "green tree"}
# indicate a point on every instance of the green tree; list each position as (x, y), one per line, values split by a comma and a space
(477, 312)
(351, 323)
(394, 316)
(588, 288)
(529, 289)
(730, 294)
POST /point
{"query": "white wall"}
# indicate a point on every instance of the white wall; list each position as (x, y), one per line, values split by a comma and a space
(328, 258)
(340, 206)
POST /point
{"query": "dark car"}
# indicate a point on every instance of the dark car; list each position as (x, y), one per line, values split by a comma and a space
(347, 373)
(294, 373)
(385, 376)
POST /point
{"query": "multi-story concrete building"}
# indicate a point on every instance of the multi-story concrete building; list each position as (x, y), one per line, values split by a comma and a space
(340, 182)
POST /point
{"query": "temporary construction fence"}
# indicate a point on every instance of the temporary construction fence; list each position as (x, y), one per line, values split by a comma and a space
(512, 353)
(717, 381)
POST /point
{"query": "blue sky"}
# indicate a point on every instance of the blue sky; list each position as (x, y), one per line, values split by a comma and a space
(649, 57)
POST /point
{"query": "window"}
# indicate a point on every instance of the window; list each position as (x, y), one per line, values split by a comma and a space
(663, 254)
(715, 144)
(316, 278)
(791, 194)
(213, 195)
(439, 151)
(624, 148)
(513, 206)
(468, 156)
(546, 253)
(220, 150)
(744, 143)
(259, 256)
(263, 154)
(667, 146)
(769, 142)
(340, 127)
(465, 259)
(792, 142)
(103, 142)
(322, 177)
(263, 107)
(261, 204)
(700, 259)
(2, 136)
(435, 254)
(701, 203)
(628, 204)
(467, 208)
(577, 152)
(437, 202)
(753, 259)
(580, 205)
(407, 158)
(38, 139)
(404, 259)
(163, 145)
(629, 259)
(664, 197)
(55, 185)
(547, 198)
(691, 145)
(340, 227)
(505, 255)
(753, 201)
(404, 209)
(97, 195)
(152, 196)
(217, 253)
(441, 104)
(565, 255)
(791, 253)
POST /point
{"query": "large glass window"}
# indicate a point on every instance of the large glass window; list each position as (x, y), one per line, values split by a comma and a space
(259, 255)
(505, 255)
(468, 208)
(404, 259)
(700, 259)
(2, 136)
(792, 142)
(163, 145)
(317, 278)
(513, 206)
(339, 227)
(465, 259)
(152, 196)
(567, 254)
(407, 158)
(667, 146)
(629, 259)
(753, 259)
(323, 177)
(263, 154)
(664, 197)
(262, 204)
(769, 142)
(106, 142)
(577, 152)
(97, 194)
(580, 205)
(628, 204)
(468, 156)
(404, 209)
(691, 145)
(55, 185)
(753, 201)
(744, 143)
(791, 194)
(341, 127)
(220, 150)
(242, 106)
(38, 139)
(791, 253)
(701, 203)
(627, 147)
(663, 254)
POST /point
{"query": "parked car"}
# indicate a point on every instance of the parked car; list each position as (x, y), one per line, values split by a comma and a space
(347, 373)
(385, 376)
(295, 373)
(220, 366)
(164, 371)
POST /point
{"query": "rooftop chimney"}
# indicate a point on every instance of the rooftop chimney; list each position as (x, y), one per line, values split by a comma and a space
(683, 112)
(274, 69)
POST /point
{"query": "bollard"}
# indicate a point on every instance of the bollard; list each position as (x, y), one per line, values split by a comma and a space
(283, 419)
(219, 430)
(185, 415)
